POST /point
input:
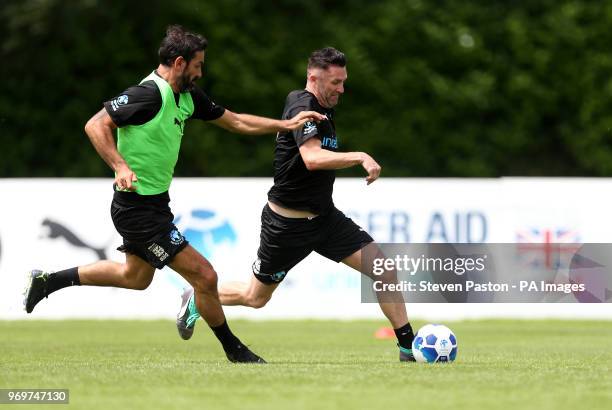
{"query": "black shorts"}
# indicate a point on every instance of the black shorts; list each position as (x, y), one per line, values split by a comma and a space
(145, 223)
(284, 242)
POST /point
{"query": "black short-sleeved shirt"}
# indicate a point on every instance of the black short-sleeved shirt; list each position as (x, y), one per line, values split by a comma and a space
(139, 104)
(295, 186)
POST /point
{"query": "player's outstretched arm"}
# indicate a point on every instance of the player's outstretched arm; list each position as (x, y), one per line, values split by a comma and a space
(316, 158)
(254, 125)
(99, 129)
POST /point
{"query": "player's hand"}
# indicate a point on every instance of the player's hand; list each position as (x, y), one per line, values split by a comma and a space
(371, 167)
(301, 118)
(125, 179)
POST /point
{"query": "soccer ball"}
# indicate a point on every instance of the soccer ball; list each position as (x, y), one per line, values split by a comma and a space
(434, 343)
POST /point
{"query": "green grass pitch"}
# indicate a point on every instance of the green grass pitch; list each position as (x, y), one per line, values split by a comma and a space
(501, 364)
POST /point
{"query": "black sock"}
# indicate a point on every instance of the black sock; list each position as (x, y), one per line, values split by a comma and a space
(63, 279)
(404, 336)
(225, 336)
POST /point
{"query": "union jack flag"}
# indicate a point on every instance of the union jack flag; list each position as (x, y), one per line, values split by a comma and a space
(547, 248)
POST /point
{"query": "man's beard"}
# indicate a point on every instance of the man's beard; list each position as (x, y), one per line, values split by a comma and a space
(186, 84)
(328, 98)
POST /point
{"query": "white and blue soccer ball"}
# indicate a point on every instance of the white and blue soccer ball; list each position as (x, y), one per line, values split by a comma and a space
(434, 343)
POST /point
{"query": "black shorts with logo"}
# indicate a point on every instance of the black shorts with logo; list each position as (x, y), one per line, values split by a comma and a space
(284, 242)
(145, 223)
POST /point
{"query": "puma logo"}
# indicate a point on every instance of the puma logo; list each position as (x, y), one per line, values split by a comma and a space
(54, 230)
(179, 124)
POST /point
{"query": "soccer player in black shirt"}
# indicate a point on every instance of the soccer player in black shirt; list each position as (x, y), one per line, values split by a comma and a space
(300, 216)
(149, 119)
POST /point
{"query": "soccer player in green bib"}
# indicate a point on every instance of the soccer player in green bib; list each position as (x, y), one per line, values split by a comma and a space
(150, 118)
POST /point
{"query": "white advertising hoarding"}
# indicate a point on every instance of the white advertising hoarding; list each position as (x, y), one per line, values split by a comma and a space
(59, 223)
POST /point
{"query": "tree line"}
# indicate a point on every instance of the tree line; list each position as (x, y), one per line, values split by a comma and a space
(435, 89)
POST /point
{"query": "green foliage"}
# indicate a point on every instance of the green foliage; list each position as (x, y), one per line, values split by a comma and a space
(472, 88)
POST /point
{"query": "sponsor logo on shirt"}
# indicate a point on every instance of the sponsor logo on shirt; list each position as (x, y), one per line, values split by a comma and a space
(180, 124)
(309, 128)
(121, 100)
(330, 142)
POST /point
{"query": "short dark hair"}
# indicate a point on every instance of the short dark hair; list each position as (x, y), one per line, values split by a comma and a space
(179, 42)
(325, 57)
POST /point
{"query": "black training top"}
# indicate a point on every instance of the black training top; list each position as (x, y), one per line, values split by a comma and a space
(295, 186)
(144, 101)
